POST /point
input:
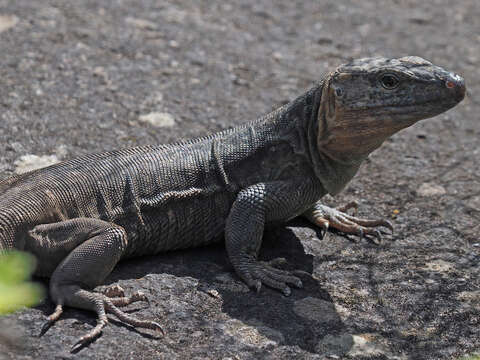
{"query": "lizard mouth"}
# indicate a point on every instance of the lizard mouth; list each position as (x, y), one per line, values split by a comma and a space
(420, 110)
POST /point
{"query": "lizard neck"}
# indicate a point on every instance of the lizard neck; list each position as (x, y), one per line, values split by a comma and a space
(334, 173)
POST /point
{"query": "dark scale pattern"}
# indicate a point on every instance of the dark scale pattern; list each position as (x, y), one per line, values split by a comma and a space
(80, 217)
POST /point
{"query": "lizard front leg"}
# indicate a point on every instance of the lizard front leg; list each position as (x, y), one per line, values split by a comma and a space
(253, 207)
(337, 218)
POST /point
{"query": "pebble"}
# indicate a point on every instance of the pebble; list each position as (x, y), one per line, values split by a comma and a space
(439, 266)
(32, 162)
(158, 119)
(430, 189)
(7, 22)
(474, 203)
(141, 23)
(316, 309)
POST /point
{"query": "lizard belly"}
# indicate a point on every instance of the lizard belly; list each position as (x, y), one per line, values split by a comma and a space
(179, 224)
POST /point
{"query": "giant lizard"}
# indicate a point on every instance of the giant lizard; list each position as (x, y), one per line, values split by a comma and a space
(82, 216)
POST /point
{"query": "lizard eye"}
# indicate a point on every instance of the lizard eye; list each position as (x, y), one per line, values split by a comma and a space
(389, 81)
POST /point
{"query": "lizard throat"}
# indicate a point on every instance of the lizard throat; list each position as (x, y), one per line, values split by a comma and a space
(334, 173)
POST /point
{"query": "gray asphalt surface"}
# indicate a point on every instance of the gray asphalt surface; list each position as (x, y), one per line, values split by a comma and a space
(87, 76)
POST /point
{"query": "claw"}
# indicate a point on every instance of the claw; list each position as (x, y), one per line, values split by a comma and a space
(91, 335)
(388, 225)
(378, 236)
(361, 233)
(84, 341)
(45, 328)
(298, 283)
(158, 328)
(325, 226)
(51, 319)
(147, 300)
(257, 286)
(114, 291)
(286, 291)
(140, 296)
(77, 346)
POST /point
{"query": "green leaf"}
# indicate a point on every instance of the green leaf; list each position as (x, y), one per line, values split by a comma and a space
(470, 357)
(15, 291)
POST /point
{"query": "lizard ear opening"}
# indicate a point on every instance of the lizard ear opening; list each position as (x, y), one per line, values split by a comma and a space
(326, 113)
(331, 97)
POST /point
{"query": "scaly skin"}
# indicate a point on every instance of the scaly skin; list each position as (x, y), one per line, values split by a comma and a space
(80, 217)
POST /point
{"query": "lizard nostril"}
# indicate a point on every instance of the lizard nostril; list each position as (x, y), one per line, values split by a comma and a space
(457, 85)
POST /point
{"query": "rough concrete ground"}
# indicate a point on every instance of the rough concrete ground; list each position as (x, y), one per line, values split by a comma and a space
(87, 76)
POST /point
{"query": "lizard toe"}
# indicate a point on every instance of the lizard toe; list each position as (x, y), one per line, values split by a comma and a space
(276, 278)
(258, 273)
(348, 224)
(131, 320)
(91, 335)
(114, 291)
(127, 300)
(51, 320)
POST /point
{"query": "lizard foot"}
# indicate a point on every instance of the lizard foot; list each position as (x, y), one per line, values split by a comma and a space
(337, 218)
(102, 321)
(255, 273)
(101, 304)
(106, 305)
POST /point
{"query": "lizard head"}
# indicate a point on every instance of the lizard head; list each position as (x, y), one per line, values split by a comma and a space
(368, 100)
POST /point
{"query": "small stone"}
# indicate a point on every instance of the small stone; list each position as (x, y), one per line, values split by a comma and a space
(141, 23)
(253, 333)
(197, 334)
(277, 55)
(324, 41)
(173, 44)
(15, 147)
(158, 119)
(363, 346)
(32, 162)
(316, 309)
(334, 346)
(474, 203)
(7, 22)
(61, 151)
(439, 266)
(430, 189)
(472, 297)
(99, 71)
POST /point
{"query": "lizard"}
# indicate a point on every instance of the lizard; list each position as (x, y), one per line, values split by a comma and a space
(82, 216)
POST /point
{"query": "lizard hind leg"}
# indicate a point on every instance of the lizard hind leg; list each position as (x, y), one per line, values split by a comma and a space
(97, 246)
